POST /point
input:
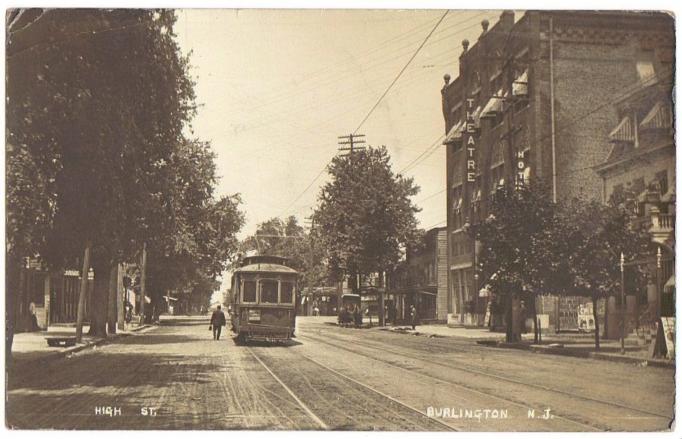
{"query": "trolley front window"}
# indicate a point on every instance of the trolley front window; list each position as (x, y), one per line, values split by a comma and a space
(249, 291)
(287, 292)
(268, 291)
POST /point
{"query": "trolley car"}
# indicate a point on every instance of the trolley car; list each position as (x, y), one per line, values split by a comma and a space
(264, 299)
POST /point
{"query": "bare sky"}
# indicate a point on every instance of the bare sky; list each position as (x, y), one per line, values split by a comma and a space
(277, 87)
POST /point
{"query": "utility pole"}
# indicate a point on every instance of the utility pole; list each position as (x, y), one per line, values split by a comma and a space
(349, 143)
(623, 306)
(143, 281)
(311, 264)
(83, 292)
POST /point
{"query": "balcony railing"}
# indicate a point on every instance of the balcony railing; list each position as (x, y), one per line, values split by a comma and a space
(664, 221)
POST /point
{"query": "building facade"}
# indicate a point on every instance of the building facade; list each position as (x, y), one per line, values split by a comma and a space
(639, 173)
(532, 100)
(423, 281)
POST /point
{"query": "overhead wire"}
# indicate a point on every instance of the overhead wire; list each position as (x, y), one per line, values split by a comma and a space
(387, 56)
(400, 73)
(374, 107)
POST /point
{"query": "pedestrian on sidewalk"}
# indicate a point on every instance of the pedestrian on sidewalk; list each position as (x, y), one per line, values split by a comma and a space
(413, 317)
(217, 322)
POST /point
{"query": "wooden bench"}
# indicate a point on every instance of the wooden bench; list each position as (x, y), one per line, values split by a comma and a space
(61, 341)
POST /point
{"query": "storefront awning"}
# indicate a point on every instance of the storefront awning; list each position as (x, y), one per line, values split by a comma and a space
(658, 117)
(623, 131)
(520, 85)
(455, 133)
(669, 286)
(494, 105)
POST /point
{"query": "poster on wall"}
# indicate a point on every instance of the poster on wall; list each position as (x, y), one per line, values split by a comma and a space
(586, 317)
(668, 324)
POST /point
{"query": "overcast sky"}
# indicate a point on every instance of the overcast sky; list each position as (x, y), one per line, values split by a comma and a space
(277, 87)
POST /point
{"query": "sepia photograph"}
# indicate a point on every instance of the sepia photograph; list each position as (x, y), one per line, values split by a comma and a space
(403, 220)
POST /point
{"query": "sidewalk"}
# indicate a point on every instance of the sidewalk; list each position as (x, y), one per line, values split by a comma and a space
(569, 344)
(29, 347)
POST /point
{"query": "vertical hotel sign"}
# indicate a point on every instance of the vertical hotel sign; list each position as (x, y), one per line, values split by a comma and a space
(470, 141)
(520, 168)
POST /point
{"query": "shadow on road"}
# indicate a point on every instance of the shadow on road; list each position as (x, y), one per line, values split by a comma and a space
(162, 339)
(266, 344)
(126, 370)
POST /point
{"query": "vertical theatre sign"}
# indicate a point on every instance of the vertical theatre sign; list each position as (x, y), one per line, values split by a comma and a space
(470, 141)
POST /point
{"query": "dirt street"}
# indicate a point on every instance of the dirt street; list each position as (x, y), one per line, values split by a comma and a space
(176, 377)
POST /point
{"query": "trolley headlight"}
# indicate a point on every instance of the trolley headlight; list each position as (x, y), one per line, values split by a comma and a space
(254, 315)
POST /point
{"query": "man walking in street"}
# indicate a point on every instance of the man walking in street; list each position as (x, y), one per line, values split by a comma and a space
(413, 316)
(217, 322)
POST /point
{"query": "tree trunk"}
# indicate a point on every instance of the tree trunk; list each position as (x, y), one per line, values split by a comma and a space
(83, 292)
(382, 313)
(510, 317)
(100, 296)
(143, 282)
(536, 336)
(596, 322)
(112, 302)
(12, 292)
(120, 297)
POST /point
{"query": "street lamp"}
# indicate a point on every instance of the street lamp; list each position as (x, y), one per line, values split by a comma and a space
(622, 303)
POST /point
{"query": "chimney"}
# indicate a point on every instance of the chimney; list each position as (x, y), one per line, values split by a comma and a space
(465, 45)
(484, 25)
(446, 78)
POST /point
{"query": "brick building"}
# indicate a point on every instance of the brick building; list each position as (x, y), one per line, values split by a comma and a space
(533, 99)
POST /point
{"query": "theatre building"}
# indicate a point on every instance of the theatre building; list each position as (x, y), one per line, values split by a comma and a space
(533, 98)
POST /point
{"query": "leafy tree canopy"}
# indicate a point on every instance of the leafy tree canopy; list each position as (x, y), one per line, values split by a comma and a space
(365, 216)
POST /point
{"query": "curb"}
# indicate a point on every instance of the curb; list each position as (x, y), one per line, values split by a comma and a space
(577, 354)
(75, 349)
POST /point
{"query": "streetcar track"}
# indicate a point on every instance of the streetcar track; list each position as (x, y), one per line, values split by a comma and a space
(378, 392)
(502, 378)
(305, 408)
(469, 388)
(391, 411)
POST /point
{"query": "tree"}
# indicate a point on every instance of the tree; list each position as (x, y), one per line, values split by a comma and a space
(289, 239)
(595, 235)
(365, 217)
(517, 256)
(532, 246)
(196, 236)
(97, 99)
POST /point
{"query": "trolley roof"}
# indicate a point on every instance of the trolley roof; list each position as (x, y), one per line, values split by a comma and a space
(265, 268)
